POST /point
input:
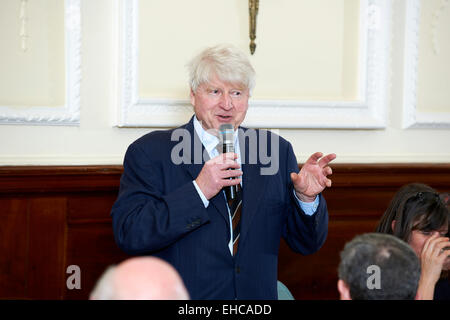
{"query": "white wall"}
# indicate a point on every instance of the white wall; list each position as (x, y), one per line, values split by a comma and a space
(96, 141)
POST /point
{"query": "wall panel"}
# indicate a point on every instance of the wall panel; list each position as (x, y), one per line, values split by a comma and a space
(54, 217)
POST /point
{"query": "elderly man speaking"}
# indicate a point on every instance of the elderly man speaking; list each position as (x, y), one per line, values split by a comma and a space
(213, 198)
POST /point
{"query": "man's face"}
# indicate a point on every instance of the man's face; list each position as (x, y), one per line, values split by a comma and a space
(218, 102)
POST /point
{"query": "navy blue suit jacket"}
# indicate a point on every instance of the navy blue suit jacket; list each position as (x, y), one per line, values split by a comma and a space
(159, 212)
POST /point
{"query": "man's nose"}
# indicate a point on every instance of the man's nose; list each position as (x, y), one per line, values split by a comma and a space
(226, 102)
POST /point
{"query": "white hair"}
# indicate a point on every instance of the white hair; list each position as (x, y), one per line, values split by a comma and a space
(227, 62)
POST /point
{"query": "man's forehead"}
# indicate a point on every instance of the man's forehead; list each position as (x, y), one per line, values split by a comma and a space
(223, 84)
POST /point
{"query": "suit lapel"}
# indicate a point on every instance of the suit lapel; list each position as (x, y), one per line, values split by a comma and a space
(254, 183)
(254, 186)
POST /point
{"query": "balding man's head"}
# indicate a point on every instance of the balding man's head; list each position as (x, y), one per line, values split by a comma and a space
(143, 278)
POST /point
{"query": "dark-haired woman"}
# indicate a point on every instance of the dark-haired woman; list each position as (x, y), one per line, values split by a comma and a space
(419, 216)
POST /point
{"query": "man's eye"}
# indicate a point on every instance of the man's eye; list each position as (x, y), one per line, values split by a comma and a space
(425, 233)
(236, 93)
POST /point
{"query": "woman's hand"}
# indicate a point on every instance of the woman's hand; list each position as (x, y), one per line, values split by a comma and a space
(432, 258)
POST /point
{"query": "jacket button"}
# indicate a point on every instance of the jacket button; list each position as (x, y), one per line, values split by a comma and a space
(238, 270)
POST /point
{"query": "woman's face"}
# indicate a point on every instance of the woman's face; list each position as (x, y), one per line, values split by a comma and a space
(419, 237)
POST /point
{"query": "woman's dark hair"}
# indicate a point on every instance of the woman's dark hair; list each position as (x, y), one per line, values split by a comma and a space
(415, 206)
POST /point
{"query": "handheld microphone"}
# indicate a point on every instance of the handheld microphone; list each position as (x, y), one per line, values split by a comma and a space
(227, 137)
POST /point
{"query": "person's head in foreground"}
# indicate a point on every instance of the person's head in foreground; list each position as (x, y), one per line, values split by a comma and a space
(141, 278)
(377, 266)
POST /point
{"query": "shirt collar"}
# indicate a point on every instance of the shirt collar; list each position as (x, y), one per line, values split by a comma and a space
(208, 140)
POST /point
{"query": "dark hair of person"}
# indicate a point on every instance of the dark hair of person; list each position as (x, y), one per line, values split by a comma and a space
(396, 261)
(415, 206)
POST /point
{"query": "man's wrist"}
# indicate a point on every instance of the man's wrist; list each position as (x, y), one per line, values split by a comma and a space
(200, 193)
(309, 208)
(304, 198)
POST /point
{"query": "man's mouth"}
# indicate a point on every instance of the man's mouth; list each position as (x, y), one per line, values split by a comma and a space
(224, 118)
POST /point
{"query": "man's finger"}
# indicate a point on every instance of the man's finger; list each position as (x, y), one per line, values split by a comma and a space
(314, 158)
(230, 155)
(327, 159)
(327, 171)
(231, 173)
(221, 158)
(294, 177)
(231, 182)
(229, 164)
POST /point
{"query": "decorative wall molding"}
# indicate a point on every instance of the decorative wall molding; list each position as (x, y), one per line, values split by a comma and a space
(412, 118)
(368, 112)
(69, 113)
(117, 159)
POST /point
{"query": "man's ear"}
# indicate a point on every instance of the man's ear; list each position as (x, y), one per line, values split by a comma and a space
(192, 97)
(344, 290)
